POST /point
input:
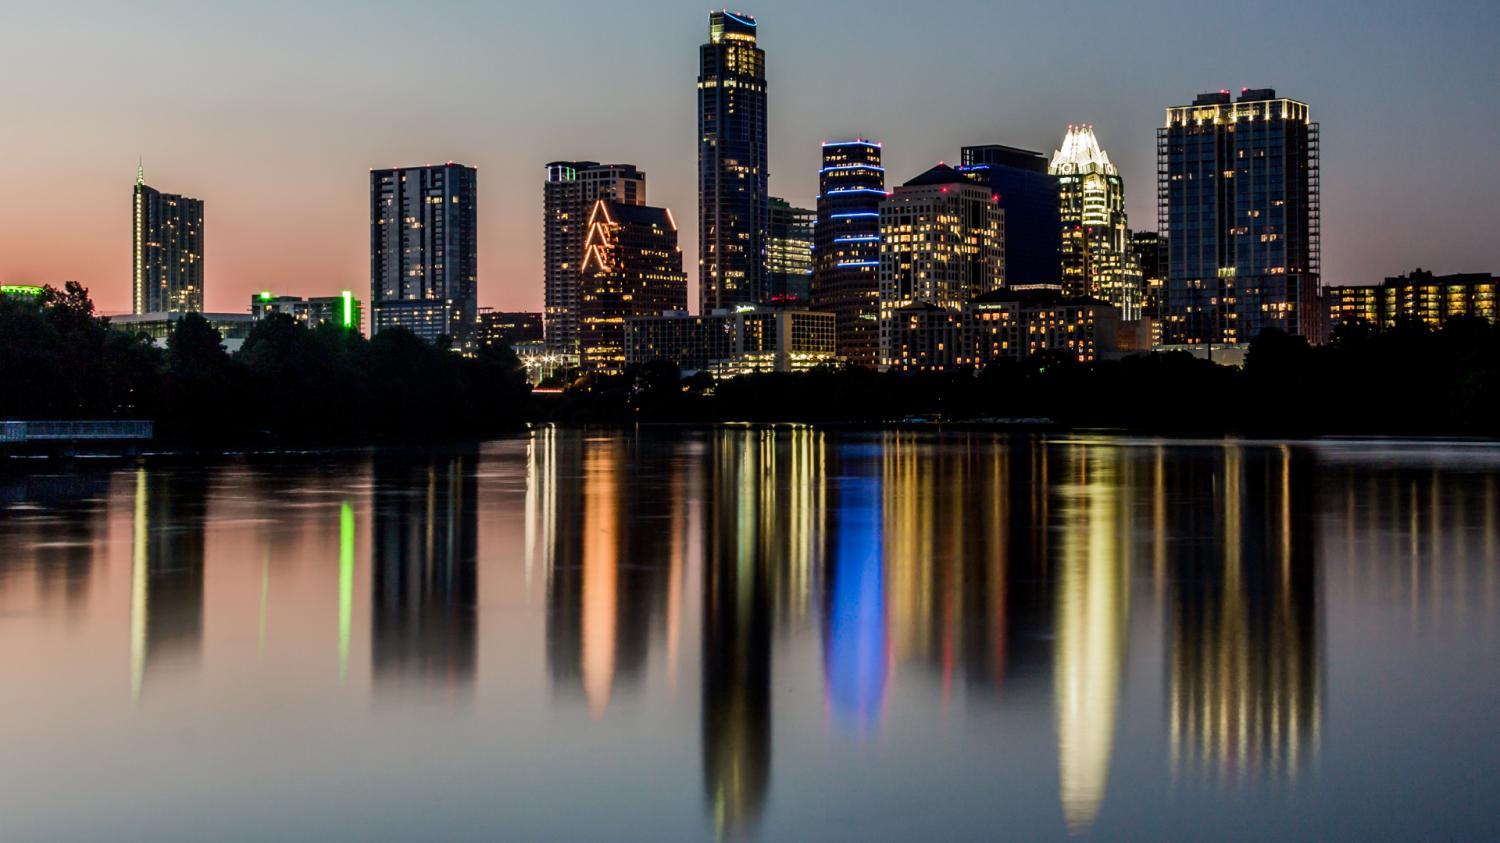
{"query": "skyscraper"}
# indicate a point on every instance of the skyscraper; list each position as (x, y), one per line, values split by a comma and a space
(424, 250)
(166, 251)
(1237, 199)
(631, 266)
(789, 248)
(846, 255)
(733, 208)
(571, 189)
(1029, 198)
(1095, 260)
(942, 243)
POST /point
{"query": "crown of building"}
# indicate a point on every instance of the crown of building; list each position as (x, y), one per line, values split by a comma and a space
(1081, 153)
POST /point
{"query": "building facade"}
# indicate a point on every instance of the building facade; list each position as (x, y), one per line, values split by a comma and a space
(631, 266)
(568, 195)
(1238, 201)
(942, 243)
(424, 250)
(1028, 195)
(1003, 325)
(733, 202)
(1419, 296)
(728, 343)
(1096, 260)
(166, 251)
(846, 254)
(509, 328)
(789, 251)
(343, 310)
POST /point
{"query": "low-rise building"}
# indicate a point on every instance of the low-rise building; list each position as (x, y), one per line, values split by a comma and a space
(734, 342)
(1420, 296)
(1003, 324)
(513, 329)
(232, 327)
(343, 310)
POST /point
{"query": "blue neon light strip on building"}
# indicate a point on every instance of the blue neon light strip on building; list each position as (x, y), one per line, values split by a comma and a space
(855, 214)
(851, 167)
(857, 190)
(866, 238)
(740, 19)
(858, 263)
(871, 144)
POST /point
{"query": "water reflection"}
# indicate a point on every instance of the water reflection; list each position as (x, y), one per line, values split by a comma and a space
(166, 584)
(425, 522)
(844, 613)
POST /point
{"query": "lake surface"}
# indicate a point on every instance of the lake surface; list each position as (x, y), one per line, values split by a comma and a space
(747, 633)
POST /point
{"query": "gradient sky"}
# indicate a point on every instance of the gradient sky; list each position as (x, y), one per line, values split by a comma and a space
(274, 112)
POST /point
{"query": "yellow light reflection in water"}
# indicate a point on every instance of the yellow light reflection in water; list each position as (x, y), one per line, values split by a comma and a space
(138, 582)
(600, 574)
(1093, 609)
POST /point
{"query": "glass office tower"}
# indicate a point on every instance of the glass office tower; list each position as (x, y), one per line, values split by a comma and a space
(846, 251)
(424, 250)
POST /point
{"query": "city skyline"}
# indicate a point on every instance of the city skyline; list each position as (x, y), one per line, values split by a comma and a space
(80, 134)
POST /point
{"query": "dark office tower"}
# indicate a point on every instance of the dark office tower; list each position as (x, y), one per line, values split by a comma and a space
(167, 251)
(846, 253)
(733, 208)
(571, 189)
(789, 248)
(1029, 198)
(424, 253)
(631, 267)
(1237, 198)
(1149, 251)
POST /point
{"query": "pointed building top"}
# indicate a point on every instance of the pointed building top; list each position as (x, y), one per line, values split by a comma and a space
(140, 173)
(1081, 153)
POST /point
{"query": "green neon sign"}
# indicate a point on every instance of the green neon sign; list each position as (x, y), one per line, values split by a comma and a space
(265, 296)
(348, 309)
(20, 290)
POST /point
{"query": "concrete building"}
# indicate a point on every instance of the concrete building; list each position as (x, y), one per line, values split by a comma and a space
(568, 195)
(424, 250)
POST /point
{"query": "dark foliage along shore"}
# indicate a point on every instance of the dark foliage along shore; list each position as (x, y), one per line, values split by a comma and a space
(290, 384)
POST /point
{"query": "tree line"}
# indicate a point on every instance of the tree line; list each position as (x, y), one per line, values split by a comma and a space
(287, 383)
(59, 359)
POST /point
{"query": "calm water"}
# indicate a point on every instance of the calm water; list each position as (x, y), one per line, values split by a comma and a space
(757, 634)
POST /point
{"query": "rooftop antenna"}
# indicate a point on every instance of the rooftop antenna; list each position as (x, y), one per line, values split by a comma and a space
(140, 172)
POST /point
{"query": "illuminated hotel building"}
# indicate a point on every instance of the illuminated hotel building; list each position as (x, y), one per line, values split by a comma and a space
(571, 189)
(631, 267)
(1237, 198)
(1095, 260)
(424, 253)
(846, 256)
(1029, 197)
(789, 249)
(942, 243)
(1418, 297)
(733, 202)
(166, 251)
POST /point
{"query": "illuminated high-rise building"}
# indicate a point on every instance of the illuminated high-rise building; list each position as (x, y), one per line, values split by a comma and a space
(846, 256)
(1095, 258)
(1028, 196)
(166, 251)
(631, 266)
(789, 248)
(733, 202)
(1237, 199)
(424, 250)
(1149, 251)
(571, 189)
(942, 243)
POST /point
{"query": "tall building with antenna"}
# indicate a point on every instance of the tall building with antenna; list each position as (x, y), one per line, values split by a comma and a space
(166, 250)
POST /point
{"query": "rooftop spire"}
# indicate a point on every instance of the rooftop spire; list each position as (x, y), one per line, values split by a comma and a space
(140, 173)
(1081, 153)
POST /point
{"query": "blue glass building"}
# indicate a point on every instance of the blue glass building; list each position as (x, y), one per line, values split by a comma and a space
(1029, 197)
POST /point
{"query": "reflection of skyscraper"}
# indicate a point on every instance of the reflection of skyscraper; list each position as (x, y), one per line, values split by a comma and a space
(425, 534)
(166, 594)
(855, 647)
(1093, 610)
(1245, 685)
(610, 556)
(736, 637)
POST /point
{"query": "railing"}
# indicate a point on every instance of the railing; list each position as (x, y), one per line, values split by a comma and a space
(74, 431)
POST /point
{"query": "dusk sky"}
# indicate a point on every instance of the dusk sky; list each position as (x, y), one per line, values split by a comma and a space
(274, 112)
